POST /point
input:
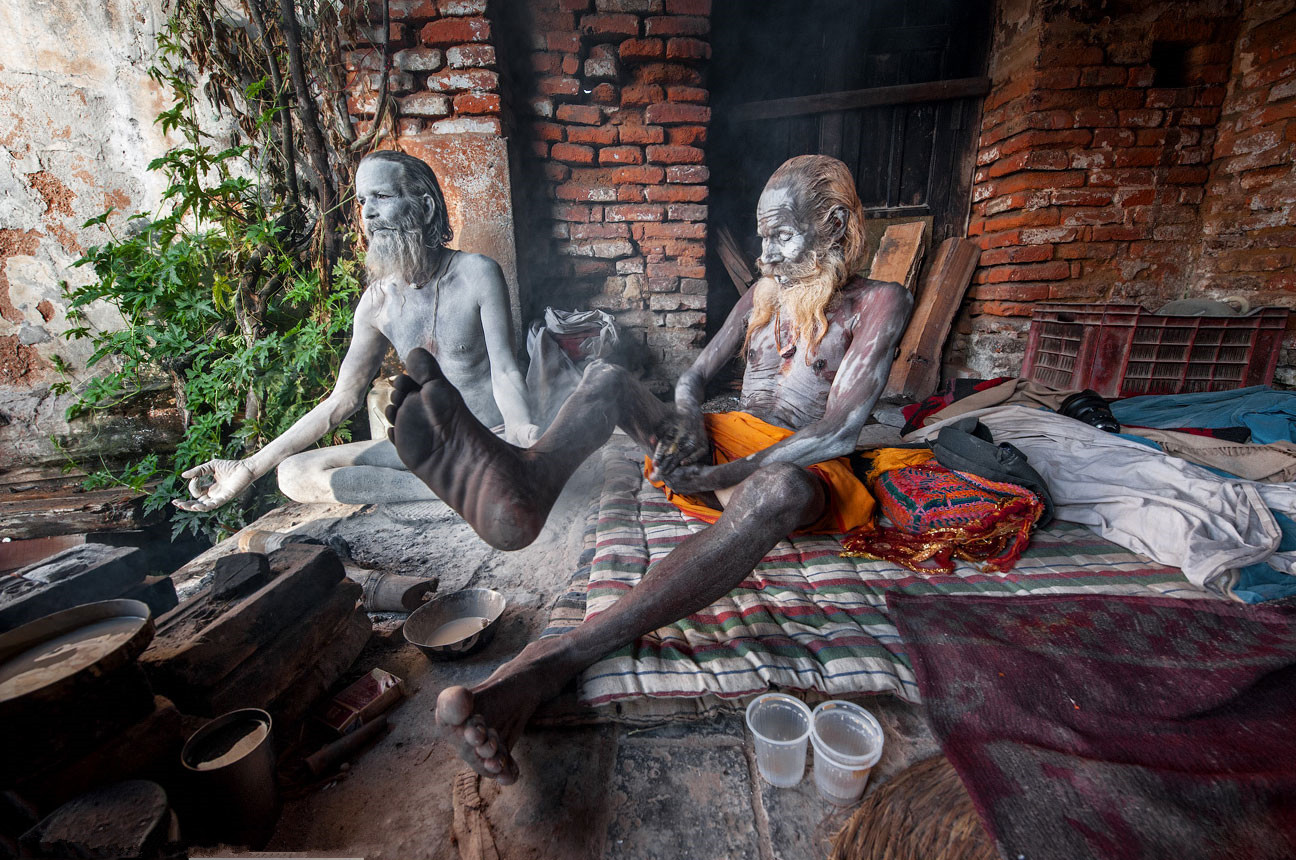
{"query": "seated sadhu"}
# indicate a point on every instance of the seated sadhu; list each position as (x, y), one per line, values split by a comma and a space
(818, 341)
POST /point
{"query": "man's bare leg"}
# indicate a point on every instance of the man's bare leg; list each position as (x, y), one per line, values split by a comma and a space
(503, 492)
(487, 720)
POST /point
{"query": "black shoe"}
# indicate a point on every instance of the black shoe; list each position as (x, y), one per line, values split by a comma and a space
(1090, 407)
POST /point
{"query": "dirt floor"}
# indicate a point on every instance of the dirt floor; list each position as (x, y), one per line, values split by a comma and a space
(678, 789)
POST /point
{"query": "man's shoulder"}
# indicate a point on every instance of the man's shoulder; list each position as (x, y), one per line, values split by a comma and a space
(866, 291)
(475, 265)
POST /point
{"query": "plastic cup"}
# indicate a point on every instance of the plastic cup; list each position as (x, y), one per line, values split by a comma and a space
(847, 743)
(780, 725)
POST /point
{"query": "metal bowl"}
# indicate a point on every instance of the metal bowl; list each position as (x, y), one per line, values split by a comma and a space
(426, 630)
(48, 651)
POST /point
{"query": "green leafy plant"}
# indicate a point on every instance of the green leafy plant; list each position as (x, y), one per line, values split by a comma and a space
(238, 294)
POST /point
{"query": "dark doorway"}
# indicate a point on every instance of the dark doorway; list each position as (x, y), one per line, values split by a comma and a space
(911, 159)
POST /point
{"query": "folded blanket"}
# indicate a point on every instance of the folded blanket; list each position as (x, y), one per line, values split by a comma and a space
(1270, 414)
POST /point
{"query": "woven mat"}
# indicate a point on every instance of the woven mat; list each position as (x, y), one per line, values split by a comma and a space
(806, 619)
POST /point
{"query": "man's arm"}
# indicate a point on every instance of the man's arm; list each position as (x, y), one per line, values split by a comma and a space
(216, 482)
(507, 383)
(859, 383)
(685, 441)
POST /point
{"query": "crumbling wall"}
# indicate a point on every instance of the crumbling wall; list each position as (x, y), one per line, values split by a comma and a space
(76, 135)
(1106, 129)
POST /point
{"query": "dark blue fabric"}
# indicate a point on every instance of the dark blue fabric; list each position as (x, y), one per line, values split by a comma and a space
(1270, 415)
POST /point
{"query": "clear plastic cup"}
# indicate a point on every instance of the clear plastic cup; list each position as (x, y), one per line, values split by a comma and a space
(780, 725)
(847, 742)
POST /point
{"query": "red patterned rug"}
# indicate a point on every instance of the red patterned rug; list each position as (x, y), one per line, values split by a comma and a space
(1113, 727)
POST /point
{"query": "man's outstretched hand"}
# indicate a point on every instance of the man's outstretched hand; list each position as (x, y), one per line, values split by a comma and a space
(214, 483)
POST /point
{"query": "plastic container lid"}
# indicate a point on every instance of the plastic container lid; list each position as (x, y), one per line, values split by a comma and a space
(863, 723)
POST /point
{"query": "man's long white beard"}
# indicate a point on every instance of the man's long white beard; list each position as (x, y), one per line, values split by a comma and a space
(802, 297)
(401, 255)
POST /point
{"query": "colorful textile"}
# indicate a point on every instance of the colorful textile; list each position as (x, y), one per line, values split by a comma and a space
(734, 435)
(1104, 728)
(938, 515)
(806, 618)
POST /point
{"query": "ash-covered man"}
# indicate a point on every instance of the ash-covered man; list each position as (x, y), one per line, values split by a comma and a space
(421, 295)
(818, 341)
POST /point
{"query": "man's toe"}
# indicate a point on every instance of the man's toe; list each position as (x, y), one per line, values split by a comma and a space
(422, 367)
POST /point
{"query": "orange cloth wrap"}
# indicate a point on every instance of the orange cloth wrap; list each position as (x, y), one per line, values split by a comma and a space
(734, 435)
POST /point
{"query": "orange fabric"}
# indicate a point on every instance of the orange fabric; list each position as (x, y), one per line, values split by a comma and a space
(734, 435)
(885, 459)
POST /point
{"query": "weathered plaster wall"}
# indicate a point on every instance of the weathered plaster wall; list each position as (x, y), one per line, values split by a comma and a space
(76, 134)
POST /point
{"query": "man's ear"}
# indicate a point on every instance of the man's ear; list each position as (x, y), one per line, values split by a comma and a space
(837, 220)
(429, 208)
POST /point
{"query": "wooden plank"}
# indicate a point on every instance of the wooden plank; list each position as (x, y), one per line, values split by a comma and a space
(899, 254)
(202, 641)
(274, 669)
(916, 372)
(931, 91)
(333, 661)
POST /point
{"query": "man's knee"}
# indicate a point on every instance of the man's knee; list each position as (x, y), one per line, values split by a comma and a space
(603, 379)
(781, 492)
(296, 476)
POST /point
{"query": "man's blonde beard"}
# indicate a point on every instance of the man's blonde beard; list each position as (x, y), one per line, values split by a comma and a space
(804, 301)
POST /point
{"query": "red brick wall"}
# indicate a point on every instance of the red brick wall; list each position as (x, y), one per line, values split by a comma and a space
(618, 127)
(1106, 172)
(604, 105)
(1248, 217)
(443, 75)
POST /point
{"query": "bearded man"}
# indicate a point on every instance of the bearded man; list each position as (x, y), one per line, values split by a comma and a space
(421, 295)
(818, 341)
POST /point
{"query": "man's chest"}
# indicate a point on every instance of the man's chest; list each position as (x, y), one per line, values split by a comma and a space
(447, 326)
(775, 353)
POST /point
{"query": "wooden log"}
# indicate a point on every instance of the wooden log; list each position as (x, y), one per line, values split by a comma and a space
(123, 819)
(202, 641)
(280, 663)
(333, 662)
(38, 513)
(930, 91)
(93, 708)
(916, 372)
(899, 254)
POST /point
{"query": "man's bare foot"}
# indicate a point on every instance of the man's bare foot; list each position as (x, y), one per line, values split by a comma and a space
(485, 722)
(491, 484)
(479, 744)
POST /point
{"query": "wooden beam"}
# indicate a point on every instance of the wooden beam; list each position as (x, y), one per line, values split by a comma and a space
(899, 254)
(41, 513)
(932, 91)
(916, 371)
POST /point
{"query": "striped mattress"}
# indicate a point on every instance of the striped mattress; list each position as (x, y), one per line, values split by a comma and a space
(806, 619)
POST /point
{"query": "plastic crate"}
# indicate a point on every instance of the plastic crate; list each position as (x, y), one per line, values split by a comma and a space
(1122, 350)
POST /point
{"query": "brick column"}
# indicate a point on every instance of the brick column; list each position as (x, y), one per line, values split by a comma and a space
(618, 126)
